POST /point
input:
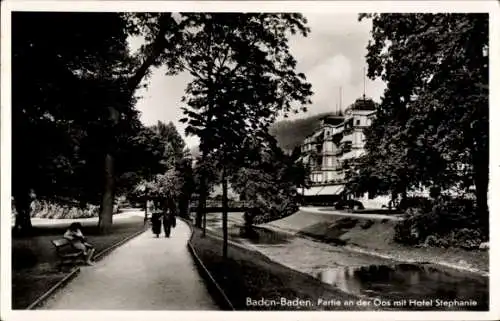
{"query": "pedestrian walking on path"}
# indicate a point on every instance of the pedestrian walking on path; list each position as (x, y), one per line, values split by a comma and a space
(168, 217)
(143, 274)
(168, 220)
(156, 218)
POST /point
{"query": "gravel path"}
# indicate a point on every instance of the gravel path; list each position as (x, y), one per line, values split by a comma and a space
(146, 273)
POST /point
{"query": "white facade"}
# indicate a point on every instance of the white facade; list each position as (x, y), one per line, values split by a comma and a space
(339, 139)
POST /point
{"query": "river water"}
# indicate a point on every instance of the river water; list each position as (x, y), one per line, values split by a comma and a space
(383, 281)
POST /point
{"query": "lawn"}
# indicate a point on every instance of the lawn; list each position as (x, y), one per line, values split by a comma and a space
(34, 260)
(248, 275)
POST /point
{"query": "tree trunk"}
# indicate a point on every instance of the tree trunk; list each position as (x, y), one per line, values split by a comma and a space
(249, 218)
(204, 222)
(106, 212)
(224, 213)
(23, 217)
(404, 195)
(184, 205)
(392, 202)
(202, 199)
(145, 210)
(481, 173)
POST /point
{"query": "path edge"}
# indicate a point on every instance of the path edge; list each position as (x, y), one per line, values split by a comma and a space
(70, 276)
(75, 271)
(212, 285)
(99, 256)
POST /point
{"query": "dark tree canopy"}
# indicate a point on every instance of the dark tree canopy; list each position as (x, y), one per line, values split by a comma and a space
(244, 77)
(172, 141)
(73, 102)
(268, 179)
(432, 124)
(58, 100)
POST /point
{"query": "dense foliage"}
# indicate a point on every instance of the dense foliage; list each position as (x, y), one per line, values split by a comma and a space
(448, 223)
(173, 181)
(63, 79)
(268, 181)
(75, 128)
(244, 77)
(432, 125)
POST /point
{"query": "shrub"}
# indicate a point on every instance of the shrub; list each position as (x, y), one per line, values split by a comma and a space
(367, 224)
(405, 232)
(271, 208)
(450, 222)
(346, 223)
(43, 209)
(467, 238)
(422, 203)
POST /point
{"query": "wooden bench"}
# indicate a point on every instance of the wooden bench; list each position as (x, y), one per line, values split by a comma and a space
(67, 253)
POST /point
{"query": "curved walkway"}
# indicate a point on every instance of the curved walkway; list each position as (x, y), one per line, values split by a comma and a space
(317, 210)
(146, 273)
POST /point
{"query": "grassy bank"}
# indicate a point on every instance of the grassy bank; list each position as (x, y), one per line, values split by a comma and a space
(376, 236)
(249, 275)
(34, 260)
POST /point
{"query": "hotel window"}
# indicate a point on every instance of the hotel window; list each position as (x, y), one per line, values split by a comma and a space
(358, 122)
(347, 147)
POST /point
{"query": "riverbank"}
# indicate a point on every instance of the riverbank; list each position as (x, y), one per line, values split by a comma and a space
(252, 281)
(375, 237)
(277, 258)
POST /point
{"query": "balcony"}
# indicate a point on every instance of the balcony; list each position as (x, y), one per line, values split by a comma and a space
(329, 182)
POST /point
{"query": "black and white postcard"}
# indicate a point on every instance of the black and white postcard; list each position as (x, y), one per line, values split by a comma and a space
(321, 159)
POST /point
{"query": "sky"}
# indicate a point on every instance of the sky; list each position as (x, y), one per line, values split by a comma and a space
(332, 56)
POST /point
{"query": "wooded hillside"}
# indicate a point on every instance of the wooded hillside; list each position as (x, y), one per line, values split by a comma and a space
(291, 133)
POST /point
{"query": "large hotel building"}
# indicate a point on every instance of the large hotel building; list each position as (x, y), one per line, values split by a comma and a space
(338, 140)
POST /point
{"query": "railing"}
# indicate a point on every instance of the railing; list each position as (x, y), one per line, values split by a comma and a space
(216, 206)
(332, 181)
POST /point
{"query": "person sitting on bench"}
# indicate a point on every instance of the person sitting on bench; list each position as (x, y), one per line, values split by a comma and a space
(79, 242)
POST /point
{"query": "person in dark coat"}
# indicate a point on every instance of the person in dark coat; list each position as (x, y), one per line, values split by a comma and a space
(156, 218)
(168, 219)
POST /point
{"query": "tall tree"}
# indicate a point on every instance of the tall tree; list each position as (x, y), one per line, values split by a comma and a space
(432, 125)
(74, 79)
(244, 76)
(159, 32)
(54, 97)
(172, 140)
